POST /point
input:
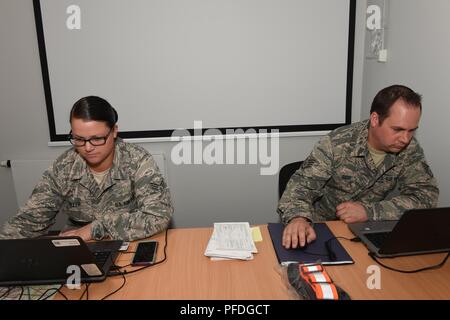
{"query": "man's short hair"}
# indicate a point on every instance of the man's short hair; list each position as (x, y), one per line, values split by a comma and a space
(384, 100)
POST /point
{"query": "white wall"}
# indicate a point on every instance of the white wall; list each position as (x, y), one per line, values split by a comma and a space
(202, 194)
(23, 124)
(254, 62)
(418, 43)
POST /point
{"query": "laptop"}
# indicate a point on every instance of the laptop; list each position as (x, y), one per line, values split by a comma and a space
(47, 260)
(418, 231)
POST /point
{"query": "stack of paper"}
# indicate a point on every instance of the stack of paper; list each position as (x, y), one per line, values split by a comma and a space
(232, 240)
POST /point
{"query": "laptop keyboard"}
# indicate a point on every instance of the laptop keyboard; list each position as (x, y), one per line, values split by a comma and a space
(101, 257)
(105, 252)
(377, 238)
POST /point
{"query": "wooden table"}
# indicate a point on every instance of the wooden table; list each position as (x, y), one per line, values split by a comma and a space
(432, 284)
(188, 274)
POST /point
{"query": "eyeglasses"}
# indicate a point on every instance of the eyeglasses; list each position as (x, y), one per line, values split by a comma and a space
(95, 141)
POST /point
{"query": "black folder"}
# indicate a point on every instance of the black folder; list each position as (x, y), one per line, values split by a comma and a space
(325, 249)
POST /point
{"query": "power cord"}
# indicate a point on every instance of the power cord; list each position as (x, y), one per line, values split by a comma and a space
(120, 267)
(61, 293)
(21, 293)
(118, 289)
(125, 272)
(117, 273)
(44, 297)
(86, 291)
(437, 266)
(374, 258)
(330, 252)
(6, 293)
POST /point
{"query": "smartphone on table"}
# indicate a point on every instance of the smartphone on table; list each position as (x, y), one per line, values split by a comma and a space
(145, 253)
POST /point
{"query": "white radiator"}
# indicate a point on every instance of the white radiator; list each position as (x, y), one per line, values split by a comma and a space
(26, 174)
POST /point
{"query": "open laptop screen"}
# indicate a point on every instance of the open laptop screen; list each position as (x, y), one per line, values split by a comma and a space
(418, 231)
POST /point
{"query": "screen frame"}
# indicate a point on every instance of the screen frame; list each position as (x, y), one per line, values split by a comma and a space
(55, 137)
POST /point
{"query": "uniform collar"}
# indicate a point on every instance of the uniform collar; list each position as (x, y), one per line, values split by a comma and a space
(360, 148)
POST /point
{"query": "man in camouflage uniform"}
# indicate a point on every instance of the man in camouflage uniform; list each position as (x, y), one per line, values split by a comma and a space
(108, 188)
(351, 172)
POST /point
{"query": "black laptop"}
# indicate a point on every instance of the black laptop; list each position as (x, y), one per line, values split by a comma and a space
(418, 231)
(47, 260)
